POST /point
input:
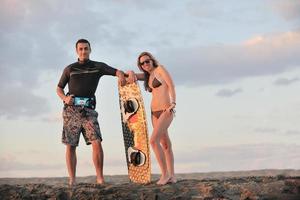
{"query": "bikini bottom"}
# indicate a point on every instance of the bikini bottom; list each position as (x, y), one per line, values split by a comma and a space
(158, 113)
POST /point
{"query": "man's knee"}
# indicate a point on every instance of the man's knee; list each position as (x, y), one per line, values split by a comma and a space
(71, 148)
(96, 144)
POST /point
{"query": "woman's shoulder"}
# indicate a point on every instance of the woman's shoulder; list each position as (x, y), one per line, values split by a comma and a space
(161, 69)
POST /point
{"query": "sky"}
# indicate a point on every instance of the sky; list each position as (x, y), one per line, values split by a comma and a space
(235, 64)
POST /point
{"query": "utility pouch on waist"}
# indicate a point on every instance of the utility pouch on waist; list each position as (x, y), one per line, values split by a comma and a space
(84, 102)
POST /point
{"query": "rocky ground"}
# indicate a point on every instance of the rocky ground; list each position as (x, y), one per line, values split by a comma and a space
(189, 186)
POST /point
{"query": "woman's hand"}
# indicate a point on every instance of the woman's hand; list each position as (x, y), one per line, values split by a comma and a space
(171, 107)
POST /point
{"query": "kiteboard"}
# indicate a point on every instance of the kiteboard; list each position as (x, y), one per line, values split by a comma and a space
(135, 133)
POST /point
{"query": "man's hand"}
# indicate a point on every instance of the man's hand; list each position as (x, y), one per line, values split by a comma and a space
(121, 78)
(66, 99)
(69, 100)
(131, 77)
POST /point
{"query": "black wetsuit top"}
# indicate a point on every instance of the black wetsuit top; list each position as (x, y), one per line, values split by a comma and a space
(83, 77)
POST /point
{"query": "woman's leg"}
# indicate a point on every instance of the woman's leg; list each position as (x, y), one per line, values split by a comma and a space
(168, 151)
(160, 127)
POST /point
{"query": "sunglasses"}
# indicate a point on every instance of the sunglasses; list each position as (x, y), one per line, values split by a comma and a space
(146, 61)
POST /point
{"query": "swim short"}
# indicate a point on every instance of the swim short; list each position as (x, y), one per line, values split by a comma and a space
(78, 120)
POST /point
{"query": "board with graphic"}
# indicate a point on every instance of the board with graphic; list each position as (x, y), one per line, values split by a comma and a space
(135, 133)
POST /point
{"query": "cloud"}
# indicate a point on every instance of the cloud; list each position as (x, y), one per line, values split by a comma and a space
(219, 64)
(292, 132)
(266, 130)
(214, 158)
(214, 10)
(11, 166)
(228, 92)
(52, 118)
(274, 131)
(285, 81)
(242, 157)
(19, 101)
(288, 9)
(10, 162)
(40, 36)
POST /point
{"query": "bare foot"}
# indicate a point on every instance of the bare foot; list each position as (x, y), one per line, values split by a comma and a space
(172, 179)
(100, 181)
(72, 183)
(163, 180)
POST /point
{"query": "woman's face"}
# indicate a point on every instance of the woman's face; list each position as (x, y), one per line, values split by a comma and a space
(146, 63)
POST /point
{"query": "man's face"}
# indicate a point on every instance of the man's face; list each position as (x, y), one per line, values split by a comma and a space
(83, 51)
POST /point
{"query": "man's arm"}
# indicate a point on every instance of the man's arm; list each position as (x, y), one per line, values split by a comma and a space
(64, 79)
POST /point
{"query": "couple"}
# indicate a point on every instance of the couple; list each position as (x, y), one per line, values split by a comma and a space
(79, 114)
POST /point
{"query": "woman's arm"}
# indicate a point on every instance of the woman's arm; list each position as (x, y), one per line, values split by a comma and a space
(140, 76)
(132, 76)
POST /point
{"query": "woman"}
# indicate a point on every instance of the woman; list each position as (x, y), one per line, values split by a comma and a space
(159, 82)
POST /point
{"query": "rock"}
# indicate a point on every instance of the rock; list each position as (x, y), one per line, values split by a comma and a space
(249, 188)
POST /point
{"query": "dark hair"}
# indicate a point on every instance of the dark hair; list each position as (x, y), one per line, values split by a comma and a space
(146, 74)
(82, 41)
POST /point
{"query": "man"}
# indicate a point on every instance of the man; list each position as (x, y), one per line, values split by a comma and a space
(79, 115)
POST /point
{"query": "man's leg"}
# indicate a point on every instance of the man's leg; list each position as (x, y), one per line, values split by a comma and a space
(71, 160)
(98, 160)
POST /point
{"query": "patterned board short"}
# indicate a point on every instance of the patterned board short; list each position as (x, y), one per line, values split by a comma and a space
(80, 120)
